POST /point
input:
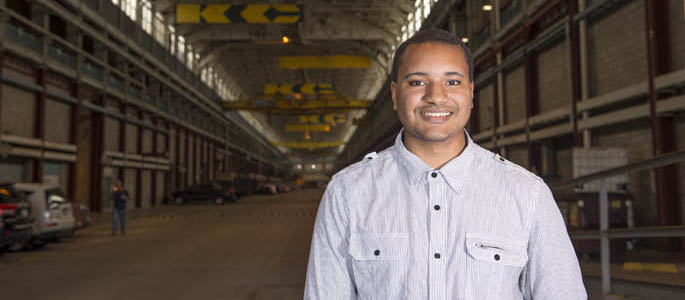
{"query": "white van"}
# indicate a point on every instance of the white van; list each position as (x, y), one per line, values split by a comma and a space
(51, 211)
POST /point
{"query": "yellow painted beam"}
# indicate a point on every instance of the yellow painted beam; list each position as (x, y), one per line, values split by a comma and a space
(188, 13)
(307, 127)
(654, 267)
(292, 88)
(238, 13)
(324, 62)
(309, 145)
(279, 105)
(331, 118)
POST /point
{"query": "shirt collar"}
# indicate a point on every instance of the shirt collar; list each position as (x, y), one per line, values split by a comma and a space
(417, 171)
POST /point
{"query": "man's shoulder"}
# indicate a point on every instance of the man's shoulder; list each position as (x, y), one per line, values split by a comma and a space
(369, 165)
(506, 168)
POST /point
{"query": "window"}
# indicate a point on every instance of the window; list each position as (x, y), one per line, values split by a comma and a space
(147, 17)
(189, 57)
(172, 40)
(159, 29)
(426, 8)
(181, 47)
(129, 7)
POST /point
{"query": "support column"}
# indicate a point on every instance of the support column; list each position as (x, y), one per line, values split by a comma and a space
(40, 123)
(122, 139)
(532, 105)
(663, 128)
(98, 137)
(139, 170)
(573, 52)
(153, 184)
(73, 138)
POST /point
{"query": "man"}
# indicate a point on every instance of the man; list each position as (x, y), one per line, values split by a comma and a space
(436, 216)
(120, 196)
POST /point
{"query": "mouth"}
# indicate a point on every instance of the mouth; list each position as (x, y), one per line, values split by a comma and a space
(436, 117)
(436, 114)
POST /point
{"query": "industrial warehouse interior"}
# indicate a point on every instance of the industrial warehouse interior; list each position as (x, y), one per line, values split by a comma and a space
(208, 132)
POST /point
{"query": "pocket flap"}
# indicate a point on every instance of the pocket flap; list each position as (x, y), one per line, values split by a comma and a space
(378, 246)
(497, 250)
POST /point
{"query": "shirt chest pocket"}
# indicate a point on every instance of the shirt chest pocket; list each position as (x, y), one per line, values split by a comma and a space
(493, 265)
(377, 261)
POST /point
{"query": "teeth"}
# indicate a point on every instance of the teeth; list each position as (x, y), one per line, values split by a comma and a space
(445, 114)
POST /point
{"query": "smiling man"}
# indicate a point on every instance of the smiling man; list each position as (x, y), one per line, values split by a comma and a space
(436, 216)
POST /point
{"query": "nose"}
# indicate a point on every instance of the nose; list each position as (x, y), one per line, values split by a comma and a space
(435, 94)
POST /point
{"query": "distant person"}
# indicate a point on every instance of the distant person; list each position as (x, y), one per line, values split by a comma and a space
(120, 196)
(436, 216)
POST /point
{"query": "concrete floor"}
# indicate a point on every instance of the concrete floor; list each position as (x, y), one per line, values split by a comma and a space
(256, 249)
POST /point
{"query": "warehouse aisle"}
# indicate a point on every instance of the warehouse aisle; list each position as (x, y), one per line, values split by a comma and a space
(256, 249)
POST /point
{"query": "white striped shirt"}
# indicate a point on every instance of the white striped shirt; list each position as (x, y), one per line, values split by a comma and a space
(480, 227)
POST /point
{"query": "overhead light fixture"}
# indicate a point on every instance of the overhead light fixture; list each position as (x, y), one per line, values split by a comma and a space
(487, 7)
(464, 40)
(285, 39)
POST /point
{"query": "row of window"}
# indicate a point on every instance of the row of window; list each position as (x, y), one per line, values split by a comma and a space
(165, 34)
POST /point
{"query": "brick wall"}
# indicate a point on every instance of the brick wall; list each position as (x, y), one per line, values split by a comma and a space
(18, 107)
(111, 134)
(57, 121)
(514, 95)
(518, 154)
(131, 133)
(484, 101)
(616, 46)
(146, 188)
(130, 184)
(677, 33)
(552, 70)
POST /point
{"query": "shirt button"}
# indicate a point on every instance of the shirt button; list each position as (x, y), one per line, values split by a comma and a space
(496, 256)
(436, 207)
(501, 159)
(434, 174)
(437, 255)
(377, 252)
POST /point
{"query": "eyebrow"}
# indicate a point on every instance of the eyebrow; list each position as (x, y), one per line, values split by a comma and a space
(426, 74)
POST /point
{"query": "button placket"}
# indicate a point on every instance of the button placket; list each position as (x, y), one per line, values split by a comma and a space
(437, 188)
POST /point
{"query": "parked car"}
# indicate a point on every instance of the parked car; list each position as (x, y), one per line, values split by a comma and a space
(15, 213)
(3, 241)
(229, 186)
(267, 188)
(51, 211)
(212, 191)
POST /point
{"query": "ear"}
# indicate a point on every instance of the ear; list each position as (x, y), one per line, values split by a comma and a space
(393, 91)
(472, 99)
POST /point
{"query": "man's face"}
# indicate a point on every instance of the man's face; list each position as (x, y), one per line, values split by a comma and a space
(433, 95)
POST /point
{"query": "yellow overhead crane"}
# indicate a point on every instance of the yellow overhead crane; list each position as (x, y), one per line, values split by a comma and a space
(216, 13)
(296, 106)
(309, 145)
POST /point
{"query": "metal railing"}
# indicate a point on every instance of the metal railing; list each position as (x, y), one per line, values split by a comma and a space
(604, 234)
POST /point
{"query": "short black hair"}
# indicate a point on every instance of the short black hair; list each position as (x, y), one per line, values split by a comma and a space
(430, 36)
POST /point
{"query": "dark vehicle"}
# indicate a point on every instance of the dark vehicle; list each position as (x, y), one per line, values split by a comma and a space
(213, 191)
(3, 241)
(15, 213)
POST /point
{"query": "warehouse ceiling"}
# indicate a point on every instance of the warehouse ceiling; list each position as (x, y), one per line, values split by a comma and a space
(248, 55)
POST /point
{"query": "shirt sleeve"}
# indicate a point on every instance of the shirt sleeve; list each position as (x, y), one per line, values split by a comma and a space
(552, 271)
(328, 272)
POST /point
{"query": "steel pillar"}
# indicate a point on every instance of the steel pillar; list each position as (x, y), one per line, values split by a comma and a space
(662, 128)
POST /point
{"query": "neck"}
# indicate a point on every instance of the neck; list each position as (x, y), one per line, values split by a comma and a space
(435, 154)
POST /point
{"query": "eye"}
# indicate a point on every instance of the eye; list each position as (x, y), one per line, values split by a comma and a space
(453, 82)
(416, 83)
